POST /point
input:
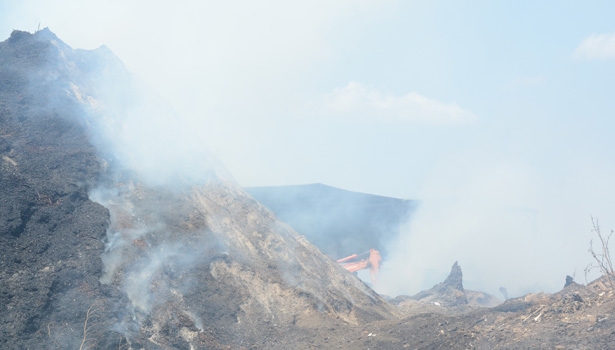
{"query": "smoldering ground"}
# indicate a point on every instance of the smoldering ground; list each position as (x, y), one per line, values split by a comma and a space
(175, 216)
(151, 163)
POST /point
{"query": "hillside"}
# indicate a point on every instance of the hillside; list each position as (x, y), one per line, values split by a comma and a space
(89, 242)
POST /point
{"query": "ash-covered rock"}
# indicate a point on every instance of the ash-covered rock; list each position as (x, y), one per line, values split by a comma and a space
(448, 293)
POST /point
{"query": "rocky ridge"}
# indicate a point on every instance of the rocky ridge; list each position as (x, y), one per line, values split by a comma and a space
(87, 245)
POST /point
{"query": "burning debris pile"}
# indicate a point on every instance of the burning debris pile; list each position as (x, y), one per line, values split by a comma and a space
(97, 253)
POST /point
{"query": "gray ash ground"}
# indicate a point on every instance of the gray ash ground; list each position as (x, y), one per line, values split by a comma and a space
(254, 284)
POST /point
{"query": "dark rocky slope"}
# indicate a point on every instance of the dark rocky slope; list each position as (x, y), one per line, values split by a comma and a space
(50, 232)
(202, 265)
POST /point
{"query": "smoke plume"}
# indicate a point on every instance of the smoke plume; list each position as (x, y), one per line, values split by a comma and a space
(507, 225)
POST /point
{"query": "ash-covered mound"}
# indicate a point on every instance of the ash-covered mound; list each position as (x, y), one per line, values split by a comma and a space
(447, 293)
(114, 236)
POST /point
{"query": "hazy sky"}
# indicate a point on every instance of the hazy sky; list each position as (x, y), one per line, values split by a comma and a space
(371, 96)
(507, 103)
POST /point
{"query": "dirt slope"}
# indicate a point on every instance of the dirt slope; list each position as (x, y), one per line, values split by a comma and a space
(578, 317)
(86, 245)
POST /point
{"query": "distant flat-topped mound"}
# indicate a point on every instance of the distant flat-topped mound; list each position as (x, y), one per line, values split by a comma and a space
(338, 222)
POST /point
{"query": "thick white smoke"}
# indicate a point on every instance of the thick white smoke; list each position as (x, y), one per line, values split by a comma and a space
(153, 160)
(507, 225)
(145, 136)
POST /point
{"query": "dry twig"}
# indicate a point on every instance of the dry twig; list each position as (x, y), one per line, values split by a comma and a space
(88, 315)
(603, 256)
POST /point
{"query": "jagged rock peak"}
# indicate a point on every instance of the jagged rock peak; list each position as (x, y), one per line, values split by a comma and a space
(43, 36)
(450, 292)
(455, 278)
(45, 46)
(44, 33)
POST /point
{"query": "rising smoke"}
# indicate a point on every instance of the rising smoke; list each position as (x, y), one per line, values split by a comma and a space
(505, 224)
(501, 221)
(152, 164)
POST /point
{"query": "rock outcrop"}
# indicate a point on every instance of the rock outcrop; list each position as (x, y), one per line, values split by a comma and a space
(448, 293)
